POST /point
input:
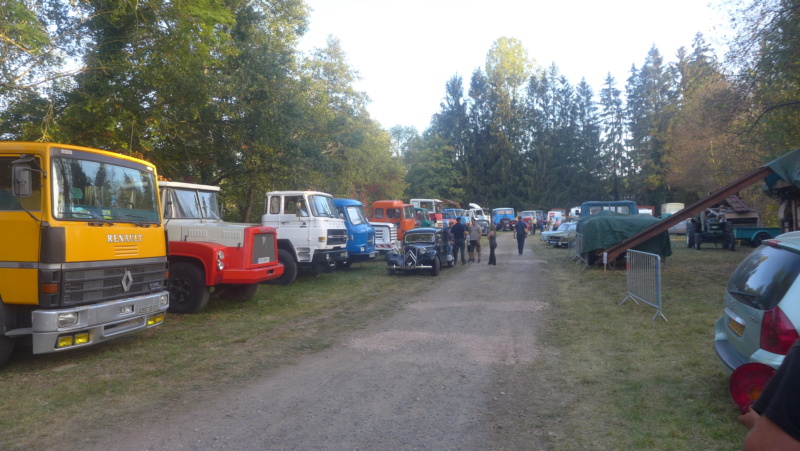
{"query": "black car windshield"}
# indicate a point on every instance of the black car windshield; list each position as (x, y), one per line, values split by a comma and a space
(764, 277)
(419, 238)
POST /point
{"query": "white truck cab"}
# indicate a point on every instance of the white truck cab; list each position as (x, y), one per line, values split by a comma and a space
(312, 236)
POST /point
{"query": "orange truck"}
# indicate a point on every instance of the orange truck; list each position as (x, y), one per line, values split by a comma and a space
(394, 212)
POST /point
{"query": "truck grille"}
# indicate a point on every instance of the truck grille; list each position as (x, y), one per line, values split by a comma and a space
(337, 236)
(90, 286)
(263, 249)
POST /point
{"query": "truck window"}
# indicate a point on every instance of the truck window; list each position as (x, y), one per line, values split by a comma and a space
(408, 212)
(7, 199)
(379, 213)
(356, 214)
(86, 189)
(274, 205)
(290, 204)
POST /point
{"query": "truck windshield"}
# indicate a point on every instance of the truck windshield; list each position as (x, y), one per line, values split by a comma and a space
(191, 204)
(84, 189)
(356, 214)
(322, 206)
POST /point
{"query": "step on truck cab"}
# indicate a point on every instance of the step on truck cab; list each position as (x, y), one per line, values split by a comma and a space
(361, 235)
(207, 253)
(311, 234)
(394, 212)
(84, 258)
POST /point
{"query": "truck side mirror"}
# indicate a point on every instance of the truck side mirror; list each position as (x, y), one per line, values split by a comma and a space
(21, 181)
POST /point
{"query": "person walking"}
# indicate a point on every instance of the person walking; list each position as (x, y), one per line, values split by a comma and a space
(448, 239)
(520, 233)
(475, 241)
(459, 233)
(492, 236)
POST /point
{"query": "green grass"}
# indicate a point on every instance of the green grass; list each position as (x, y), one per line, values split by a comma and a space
(623, 381)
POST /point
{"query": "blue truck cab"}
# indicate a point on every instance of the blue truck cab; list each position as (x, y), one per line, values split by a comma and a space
(626, 207)
(498, 214)
(361, 235)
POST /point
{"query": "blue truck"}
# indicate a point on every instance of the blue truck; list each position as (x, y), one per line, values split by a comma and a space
(361, 235)
(592, 207)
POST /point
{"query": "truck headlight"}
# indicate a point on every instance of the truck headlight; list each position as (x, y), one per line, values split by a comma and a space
(67, 319)
(220, 258)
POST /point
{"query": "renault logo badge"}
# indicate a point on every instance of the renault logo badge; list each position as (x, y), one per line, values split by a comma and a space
(127, 280)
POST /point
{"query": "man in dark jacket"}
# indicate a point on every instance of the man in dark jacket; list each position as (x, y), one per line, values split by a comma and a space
(459, 233)
(520, 232)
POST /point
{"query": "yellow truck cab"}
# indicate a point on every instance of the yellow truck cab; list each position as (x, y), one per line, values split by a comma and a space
(84, 254)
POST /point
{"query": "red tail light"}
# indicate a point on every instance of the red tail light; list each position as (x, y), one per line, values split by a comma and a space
(777, 332)
(747, 383)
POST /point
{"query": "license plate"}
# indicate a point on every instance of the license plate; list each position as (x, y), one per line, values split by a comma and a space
(736, 327)
(263, 260)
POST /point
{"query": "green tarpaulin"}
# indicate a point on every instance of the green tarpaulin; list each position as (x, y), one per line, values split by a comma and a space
(786, 167)
(608, 228)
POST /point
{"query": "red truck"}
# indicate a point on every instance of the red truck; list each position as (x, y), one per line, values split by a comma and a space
(208, 253)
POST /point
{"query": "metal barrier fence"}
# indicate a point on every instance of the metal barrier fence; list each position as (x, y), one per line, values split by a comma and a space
(574, 241)
(644, 280)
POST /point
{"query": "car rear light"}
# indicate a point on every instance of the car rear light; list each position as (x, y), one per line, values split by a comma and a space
(777, 332)
(747, 382)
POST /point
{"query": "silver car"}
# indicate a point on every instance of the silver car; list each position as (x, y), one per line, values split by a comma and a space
(760, 316)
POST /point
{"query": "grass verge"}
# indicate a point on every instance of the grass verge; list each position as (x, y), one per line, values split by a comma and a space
(621, 381)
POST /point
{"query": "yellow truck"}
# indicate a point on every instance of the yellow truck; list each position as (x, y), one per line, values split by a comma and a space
(83, 257)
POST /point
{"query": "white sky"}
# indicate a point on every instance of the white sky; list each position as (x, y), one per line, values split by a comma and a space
(405, 51)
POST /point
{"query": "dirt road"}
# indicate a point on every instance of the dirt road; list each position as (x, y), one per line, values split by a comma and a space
(446, 372)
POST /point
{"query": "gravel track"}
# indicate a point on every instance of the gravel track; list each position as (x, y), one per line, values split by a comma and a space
(435, 375)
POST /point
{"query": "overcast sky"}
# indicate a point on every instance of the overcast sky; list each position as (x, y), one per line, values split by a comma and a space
(405, 51)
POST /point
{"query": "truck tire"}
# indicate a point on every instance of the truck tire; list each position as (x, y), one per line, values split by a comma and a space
(344, 263)
(6, 346)
(437, 266)
(238, 293)
(759, 238)
(289, 269)
(188, 292)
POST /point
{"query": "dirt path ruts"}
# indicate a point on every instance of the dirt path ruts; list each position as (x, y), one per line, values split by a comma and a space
(433, 376)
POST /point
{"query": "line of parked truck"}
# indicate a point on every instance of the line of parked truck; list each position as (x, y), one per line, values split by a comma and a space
(97, 247)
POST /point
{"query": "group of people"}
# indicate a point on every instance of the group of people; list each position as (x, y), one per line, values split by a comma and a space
(457, 235)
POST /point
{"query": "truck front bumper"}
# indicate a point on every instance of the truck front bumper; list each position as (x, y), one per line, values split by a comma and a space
(96, 323)
(252, 275)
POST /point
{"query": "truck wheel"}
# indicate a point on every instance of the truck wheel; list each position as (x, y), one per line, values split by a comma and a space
(289, 269)
(437, 266)
(6, 346)
(188, 292)
(344, 263)
(239, 293)
(759, 238)
(390, 271)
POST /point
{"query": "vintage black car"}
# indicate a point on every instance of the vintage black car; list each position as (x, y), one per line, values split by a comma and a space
(422, 248)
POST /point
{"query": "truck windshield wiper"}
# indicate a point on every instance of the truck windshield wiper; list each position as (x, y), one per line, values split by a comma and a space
(100, 222)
